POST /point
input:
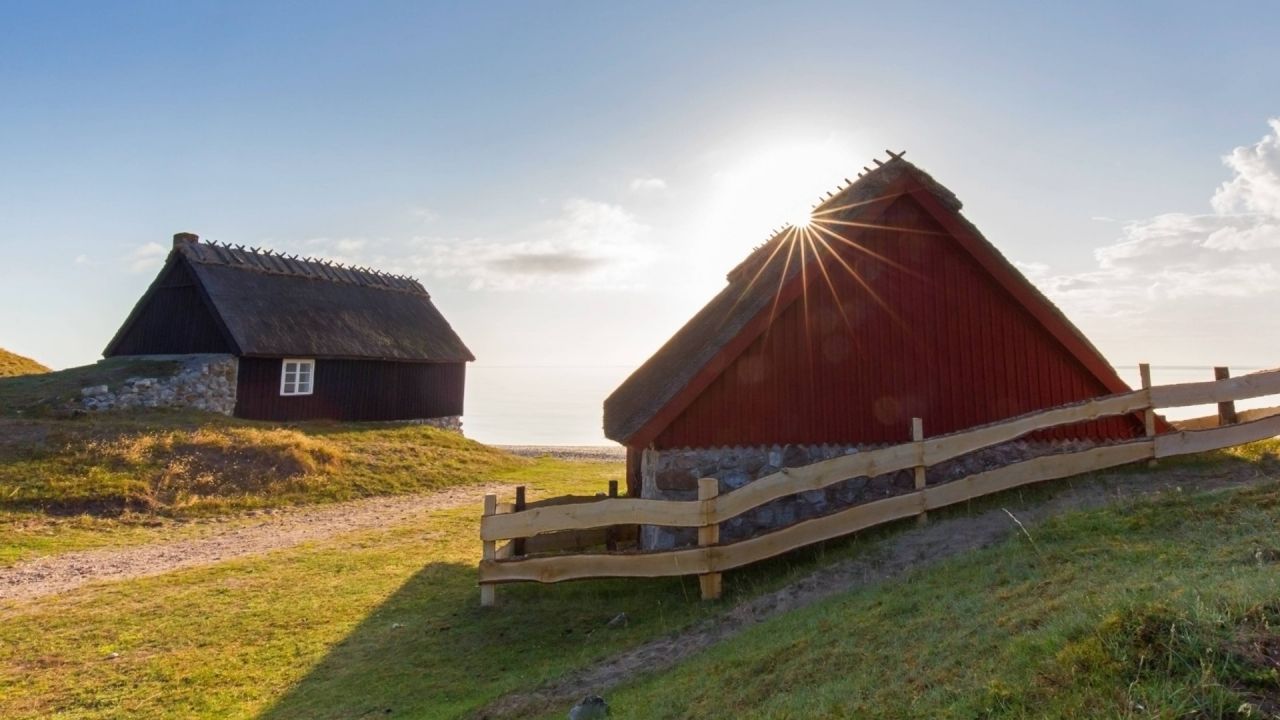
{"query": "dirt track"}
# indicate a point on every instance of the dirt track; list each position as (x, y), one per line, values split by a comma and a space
(282, 529)
(909, 549)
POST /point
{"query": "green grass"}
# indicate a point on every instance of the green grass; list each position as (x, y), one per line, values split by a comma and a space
(44, 393)
(1073, 626)
(1163, 609)
(12, 364)
(337, 629)
(186, 464)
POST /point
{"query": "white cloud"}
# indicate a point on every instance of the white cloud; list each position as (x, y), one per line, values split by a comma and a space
(1188, 268)
(590, 244)
(648, 184)
(146, 257)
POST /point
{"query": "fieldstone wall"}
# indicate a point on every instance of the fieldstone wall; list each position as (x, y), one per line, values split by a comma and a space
(673, 475)
(452, 423)
(202, 382)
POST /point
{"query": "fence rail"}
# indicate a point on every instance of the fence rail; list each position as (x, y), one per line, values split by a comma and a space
(710, 558)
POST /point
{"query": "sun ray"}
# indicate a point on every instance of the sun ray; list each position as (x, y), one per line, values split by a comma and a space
(835, 295)
(804, 297)
(763, 266)
(860, 203)
(860, 248)
(782, 280)
(853, 273)
(875, 226)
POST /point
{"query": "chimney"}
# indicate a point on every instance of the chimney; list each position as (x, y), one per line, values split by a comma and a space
(185, 238)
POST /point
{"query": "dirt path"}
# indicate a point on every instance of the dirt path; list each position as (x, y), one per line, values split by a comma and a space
(281, 529)
(909, 549)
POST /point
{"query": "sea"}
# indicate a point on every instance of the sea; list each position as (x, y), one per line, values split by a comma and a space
(541, 405)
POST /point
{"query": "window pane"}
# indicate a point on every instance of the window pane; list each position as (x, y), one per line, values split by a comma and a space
(291, 367)
(304, 371)
(304, 387)
(290, 377)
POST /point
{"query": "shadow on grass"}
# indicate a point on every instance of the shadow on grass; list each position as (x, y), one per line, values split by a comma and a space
(428, 650)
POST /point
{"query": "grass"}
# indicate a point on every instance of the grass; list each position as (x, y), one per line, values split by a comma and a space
(13, 364)
(45, 394)
(1164, 609)
(185, 463)
(386, 624)
(118, 479)
(338, 629)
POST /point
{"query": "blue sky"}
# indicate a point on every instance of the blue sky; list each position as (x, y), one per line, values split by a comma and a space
(572, 180)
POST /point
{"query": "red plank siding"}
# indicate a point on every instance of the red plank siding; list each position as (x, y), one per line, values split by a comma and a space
(961, 352)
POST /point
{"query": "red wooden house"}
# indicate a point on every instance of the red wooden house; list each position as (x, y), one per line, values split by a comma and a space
(889, 306)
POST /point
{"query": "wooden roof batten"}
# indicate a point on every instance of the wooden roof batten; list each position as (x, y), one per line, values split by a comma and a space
(274, 262)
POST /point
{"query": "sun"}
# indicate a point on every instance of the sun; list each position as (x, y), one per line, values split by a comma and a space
(799, 217)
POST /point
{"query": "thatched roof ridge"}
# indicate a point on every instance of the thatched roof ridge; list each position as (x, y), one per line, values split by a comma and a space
(271, 262)
(268, 304)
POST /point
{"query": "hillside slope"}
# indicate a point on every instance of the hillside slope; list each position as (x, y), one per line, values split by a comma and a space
(13, 364)
(190, 463)
(1155, 609)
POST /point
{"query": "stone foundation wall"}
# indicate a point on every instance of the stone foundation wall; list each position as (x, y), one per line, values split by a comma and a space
(452, 423)
(202, 382)
(673, 475)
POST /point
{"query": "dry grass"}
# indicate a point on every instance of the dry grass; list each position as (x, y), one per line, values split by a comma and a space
(13, 364)
(192, 463)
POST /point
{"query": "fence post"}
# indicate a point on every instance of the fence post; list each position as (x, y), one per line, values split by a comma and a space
(1226, 410)
(517, 544)
(610, 534)
(1148, 415)
(917, 436)
(487, 594)
(709, 534)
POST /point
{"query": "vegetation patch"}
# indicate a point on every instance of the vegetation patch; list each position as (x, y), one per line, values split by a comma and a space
(184, 463)
(13, 364)
(1153, 609)
(46, 394)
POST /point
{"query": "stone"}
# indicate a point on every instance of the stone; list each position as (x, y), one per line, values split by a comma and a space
(620, 620)
(93, 390)
(676, 479)
(591, 707)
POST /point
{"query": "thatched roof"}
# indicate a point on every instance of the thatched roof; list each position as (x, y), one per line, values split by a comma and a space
(751, 289)
(275, 305)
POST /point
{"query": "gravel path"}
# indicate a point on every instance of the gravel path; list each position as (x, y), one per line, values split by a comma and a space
(909, 549)
(282, 529)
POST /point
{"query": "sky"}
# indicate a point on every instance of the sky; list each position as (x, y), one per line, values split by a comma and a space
(571, 181)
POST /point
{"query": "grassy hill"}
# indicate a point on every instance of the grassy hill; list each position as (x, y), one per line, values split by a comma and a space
(12, 364)
(1165, 609)
(189, 463)
(1152, 608)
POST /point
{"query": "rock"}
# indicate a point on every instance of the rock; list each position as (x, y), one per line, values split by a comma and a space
(591, 707)
(619, 621)
(93, 390)
(113, 656)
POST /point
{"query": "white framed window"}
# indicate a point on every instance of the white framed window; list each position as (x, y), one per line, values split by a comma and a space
(297, 377)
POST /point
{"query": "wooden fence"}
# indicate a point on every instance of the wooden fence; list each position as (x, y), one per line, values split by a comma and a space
(710, 558)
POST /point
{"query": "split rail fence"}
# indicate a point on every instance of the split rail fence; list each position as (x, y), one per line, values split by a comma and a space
(611, 517)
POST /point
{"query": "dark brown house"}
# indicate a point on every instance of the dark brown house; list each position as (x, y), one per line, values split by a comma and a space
(313, 339)
(832, 337)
